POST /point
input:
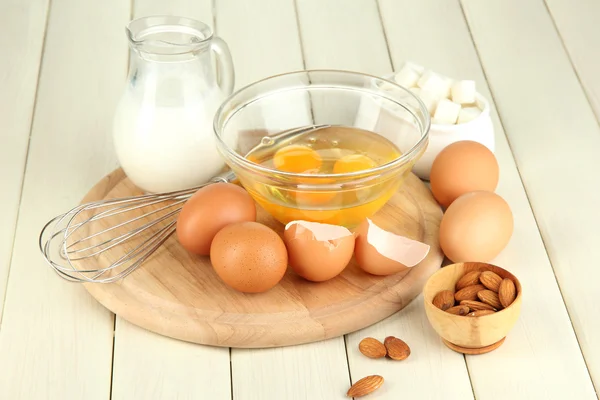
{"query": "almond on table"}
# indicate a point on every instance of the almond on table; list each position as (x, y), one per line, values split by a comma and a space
(397, 349)
(372, 348)
(365, 386)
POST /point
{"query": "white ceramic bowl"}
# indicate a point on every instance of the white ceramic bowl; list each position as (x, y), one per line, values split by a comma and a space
(479, 129)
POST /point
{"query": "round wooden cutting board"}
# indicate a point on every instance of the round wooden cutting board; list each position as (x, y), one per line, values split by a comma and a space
(177, 294)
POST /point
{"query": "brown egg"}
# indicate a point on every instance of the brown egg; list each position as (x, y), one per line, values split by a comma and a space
(476, 227)
(249, 257)
(460, 168)
(379, 252)
(318, 252)
(208, 211)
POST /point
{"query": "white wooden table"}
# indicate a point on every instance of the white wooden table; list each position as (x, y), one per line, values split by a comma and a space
(62, 67)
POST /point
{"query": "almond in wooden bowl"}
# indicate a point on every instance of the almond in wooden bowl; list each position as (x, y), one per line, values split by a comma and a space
(473, 334)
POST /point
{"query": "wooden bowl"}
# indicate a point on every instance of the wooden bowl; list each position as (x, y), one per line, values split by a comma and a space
(470, 335)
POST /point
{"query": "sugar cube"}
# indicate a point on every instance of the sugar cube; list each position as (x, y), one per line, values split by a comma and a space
(435, 83)
(463, 92)
(424, 78)
(468, 114)
(430, 100)
(407, 77)
(448, 82)
(446, 112)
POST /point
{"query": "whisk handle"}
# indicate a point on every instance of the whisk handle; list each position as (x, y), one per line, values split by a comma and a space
(227, 177)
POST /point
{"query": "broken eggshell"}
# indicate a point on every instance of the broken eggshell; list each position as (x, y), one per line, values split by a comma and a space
(318, 252)
(380, 252)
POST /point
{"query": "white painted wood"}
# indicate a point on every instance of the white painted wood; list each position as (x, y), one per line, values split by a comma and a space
(56, 341)
(23, 26)
(540, 357)
(338, 34)
(577, 24)
(554, 138)
(349, 35)
(312, 371)
(200, 10)
(263, 38)
(150, 366)
(431, 372)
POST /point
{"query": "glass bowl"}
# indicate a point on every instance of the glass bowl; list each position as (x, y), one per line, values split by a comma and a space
(339, 99)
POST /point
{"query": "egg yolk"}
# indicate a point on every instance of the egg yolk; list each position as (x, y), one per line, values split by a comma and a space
(353, 163)
(314, 198)
(298, 159)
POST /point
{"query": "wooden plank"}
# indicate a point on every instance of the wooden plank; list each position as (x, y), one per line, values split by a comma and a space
(56, 341)
(540, 357)
(24, 26)
(431, 372)
(311, 371)
(200, 10)
(577, 24)
(150, 366)
(263, 38)
(553, 136)
(338, 34)
(331, 39)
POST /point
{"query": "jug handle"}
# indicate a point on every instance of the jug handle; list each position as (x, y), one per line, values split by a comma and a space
(225, 63)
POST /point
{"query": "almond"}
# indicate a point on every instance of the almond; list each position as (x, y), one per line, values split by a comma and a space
(396, 349)
(468, 293)
(459, 310)
(480, 313)
(491, 298)
(468, 279)
(476, 305)
(366, 385)
(372, 348)
(444, 300)
(507, 292)
(490, 280)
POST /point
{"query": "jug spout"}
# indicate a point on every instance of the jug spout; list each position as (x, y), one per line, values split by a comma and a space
(168, 35)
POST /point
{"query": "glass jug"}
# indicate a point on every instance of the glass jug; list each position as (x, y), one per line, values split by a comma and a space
(163, 124)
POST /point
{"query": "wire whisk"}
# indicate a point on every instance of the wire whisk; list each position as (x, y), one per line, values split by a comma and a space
(104, 241)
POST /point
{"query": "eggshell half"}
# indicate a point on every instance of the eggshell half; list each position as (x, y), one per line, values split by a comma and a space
(380, 252)
(318, 252)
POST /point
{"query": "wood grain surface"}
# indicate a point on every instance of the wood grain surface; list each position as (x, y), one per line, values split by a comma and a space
(557, 138)
(24, 28)
(178, 294)
(56, 341)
